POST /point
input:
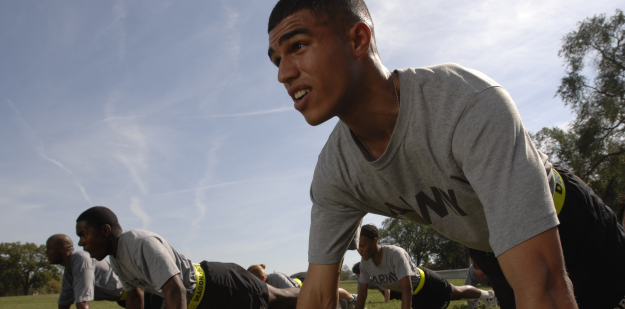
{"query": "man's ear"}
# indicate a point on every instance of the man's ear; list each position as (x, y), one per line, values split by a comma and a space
(359, 36)
(106, 230)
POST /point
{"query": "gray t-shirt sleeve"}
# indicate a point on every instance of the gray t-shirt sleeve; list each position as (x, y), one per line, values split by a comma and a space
(505, 170)
(364, 275)
(160, 265)
(66, 297)
(335, 221)
(281, 281)
(78, 281)
(401, 263)
(472, 278)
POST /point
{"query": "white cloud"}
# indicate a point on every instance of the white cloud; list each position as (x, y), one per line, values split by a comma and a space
(137, 210)
(41, 151)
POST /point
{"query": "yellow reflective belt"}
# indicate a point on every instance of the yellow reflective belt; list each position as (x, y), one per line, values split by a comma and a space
(421, 282)
(299, 282)
(200, 285)
(559, 191)
(123, 296)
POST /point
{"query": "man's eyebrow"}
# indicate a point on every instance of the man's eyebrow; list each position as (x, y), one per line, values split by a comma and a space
(293, 33)
(287, 36)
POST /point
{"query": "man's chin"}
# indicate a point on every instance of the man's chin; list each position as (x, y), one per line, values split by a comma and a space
(315, 119)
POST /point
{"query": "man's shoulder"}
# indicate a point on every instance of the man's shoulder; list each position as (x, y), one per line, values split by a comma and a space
(447, 75)
(80, 259)
(136, 235)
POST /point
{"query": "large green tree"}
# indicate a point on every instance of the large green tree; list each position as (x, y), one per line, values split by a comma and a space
(424, 245)
(24, 266)
(593, 145)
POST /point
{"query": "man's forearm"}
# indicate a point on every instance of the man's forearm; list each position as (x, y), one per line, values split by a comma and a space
(134, 299)
(321, 288)
(82, 305)
(535, 269)
(387, 295)
(175, 293)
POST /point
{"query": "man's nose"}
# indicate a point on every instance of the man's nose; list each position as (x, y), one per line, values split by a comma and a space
(288, 70)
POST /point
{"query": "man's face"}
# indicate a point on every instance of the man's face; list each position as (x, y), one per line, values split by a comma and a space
(314, 64)
(92, 240)
(53, 252)
(366, 247)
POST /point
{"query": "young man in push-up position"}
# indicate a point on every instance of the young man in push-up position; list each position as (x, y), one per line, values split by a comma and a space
(442, 146)
(392, 268)
(145, 260)
(86, 279)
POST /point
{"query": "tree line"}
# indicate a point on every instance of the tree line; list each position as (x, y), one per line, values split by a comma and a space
(24, 268)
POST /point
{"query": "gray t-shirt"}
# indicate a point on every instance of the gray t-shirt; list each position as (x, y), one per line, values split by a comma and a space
(147, 261)
(396, 264)
(87, 279)
(473, 279)
(281, 281)
(459, 160)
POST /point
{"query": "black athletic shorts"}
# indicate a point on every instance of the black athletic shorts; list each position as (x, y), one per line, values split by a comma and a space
(434, 294)
(230, 286)
(593, 244)
(150, 301)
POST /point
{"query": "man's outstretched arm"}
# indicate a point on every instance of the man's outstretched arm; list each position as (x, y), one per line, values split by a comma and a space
(175, 293)
(320, 290)
(134, 299)
(535, 269)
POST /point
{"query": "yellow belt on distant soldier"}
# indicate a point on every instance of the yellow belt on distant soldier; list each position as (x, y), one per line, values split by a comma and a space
(421, 282)
(200, 286)
(559, 191)
(299, 282)
(123, 296)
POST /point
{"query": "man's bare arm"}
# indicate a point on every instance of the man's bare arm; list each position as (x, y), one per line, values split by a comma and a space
(362, 296)
(406, 295)
(387, 295)
(175, 293)
(320, 291)
(82, 305)
(134, 299)
(535, 269)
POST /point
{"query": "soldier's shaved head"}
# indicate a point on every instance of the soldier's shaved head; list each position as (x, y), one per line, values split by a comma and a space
(58, 248)
(60, 240)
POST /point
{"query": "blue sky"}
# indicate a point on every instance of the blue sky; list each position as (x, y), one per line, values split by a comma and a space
(170, 113)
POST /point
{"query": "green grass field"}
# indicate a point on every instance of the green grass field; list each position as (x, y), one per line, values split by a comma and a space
(374, 300)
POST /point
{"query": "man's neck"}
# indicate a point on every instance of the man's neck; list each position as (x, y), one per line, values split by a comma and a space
(372, 112)
(65, 261)
(114, 243)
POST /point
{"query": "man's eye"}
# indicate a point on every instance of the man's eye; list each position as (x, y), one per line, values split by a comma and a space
(297, 46)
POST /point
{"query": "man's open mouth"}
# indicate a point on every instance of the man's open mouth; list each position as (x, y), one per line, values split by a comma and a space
(300, 94)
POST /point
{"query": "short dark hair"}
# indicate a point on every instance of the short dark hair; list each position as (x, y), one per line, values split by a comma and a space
(98, 216)
(370, 231)
(342, 14)
(356, 268)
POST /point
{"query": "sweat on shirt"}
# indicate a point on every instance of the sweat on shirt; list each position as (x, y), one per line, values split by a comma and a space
(459, 160)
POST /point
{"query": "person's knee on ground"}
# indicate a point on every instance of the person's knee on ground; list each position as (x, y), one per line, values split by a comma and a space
(282, 298)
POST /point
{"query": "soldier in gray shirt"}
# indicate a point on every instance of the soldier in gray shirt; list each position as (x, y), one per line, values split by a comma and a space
(145, 260)
(84, 279)
(442, 146)
(282, 281)
(391, 267)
